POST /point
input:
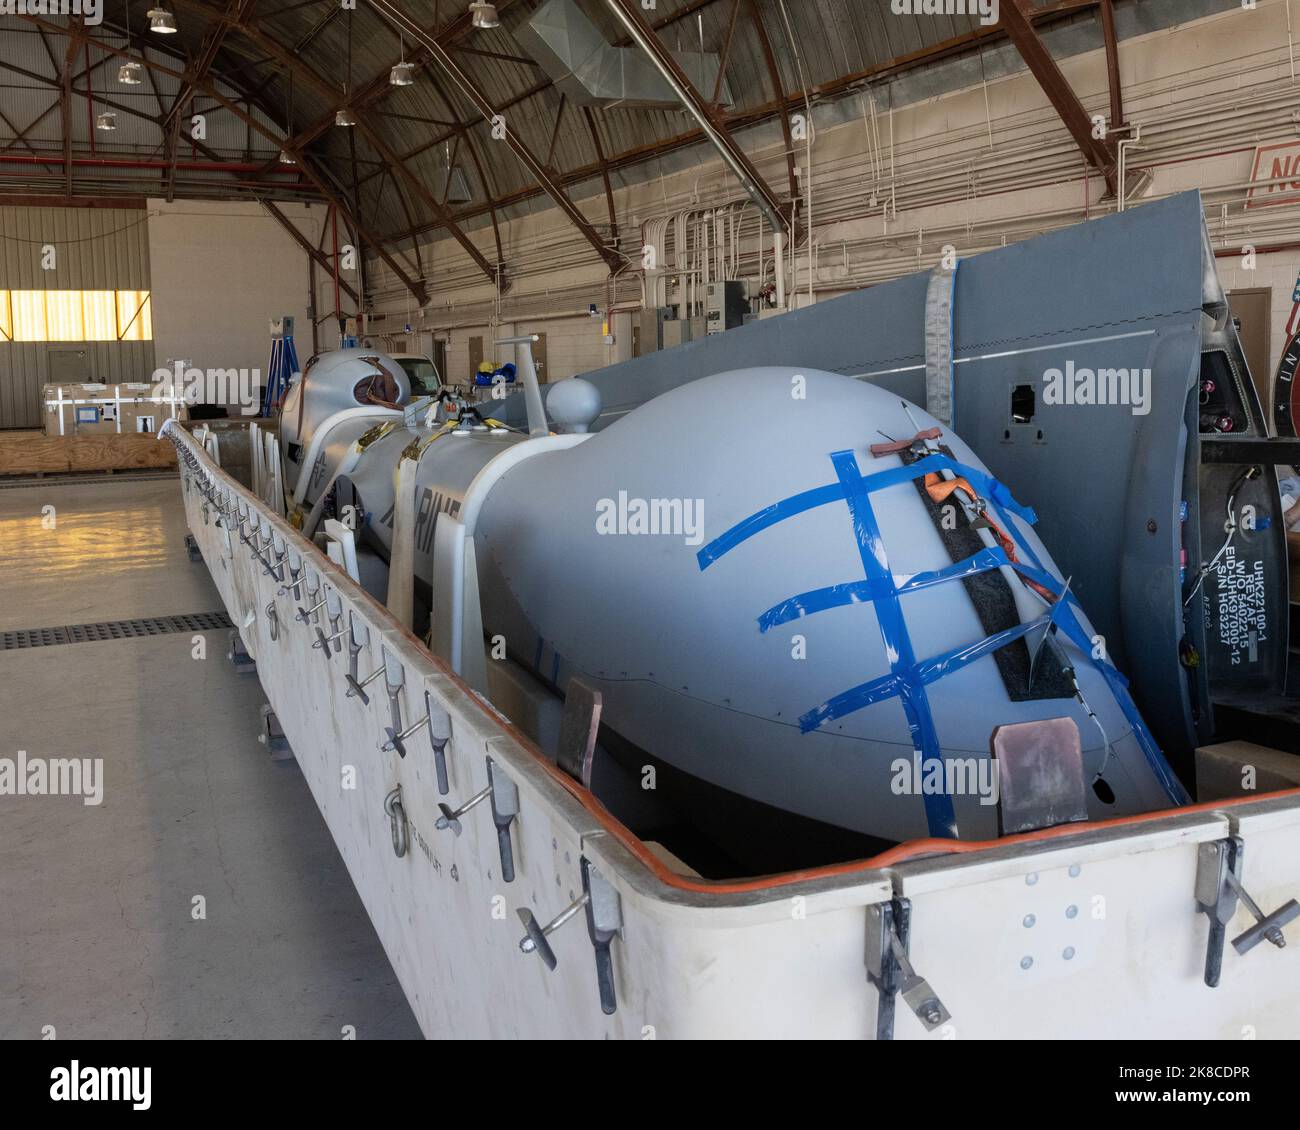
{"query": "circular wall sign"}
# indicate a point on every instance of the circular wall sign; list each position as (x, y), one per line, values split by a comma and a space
(1286, 393)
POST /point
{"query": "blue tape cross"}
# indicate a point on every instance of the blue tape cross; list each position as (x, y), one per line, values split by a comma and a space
(939, 812)
(908, 678)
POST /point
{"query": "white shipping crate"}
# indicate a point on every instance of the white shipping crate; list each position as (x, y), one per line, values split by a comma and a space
(104, 409)
(1091, 930)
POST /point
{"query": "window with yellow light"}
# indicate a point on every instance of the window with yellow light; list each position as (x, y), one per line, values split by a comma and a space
(75, 315)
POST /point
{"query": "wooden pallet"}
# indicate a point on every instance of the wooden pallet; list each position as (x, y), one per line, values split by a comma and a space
(34, 453)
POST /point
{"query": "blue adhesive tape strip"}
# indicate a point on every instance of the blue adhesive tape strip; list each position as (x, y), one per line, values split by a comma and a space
(986, 484)
(861, 592)
(939, 812)
(908, 678)
(1066, 616)
(924, 673)
(766, 518)
(778, 512)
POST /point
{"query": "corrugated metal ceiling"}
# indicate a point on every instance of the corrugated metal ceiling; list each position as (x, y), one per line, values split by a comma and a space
(814, 42)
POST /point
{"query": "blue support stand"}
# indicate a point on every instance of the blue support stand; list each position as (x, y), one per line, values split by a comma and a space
(281, 367)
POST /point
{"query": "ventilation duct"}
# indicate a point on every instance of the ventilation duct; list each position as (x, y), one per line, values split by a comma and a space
(453, 187)
(593, 72)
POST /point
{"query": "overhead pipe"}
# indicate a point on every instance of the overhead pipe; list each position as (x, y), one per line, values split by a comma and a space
(735, 161)
(338, 313)
(142, 163)
(778, 250)
(733, 157)
(1171, 137)
(465, 83)
(90, 99)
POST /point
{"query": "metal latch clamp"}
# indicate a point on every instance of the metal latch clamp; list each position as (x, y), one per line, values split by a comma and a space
(1219, 868)
(890, 970)
(604, 922)
(503, 794)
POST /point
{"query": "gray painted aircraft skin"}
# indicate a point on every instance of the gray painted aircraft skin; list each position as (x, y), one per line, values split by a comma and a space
(1121, 490)
(710, 648)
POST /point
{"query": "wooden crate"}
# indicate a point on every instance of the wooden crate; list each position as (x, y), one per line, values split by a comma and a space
(32, 453)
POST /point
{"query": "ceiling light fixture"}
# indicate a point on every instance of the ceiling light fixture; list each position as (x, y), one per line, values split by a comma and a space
(343, 116)
(106, 121)
(402, 72)
(484, 13)
(162, 21)
(287, 157)
(129, 72)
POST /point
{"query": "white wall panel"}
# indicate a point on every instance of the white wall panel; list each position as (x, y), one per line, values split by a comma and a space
(221, 271)
(94, 249)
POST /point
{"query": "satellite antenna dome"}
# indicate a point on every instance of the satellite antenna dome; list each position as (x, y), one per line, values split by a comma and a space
(573, 404)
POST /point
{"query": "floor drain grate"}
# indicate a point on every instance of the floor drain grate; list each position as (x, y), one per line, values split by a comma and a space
(113, 630)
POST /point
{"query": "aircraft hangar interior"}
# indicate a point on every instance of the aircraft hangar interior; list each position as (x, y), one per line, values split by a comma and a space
(648, 520)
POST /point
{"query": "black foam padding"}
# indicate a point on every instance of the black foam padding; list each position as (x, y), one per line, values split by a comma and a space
(995, 606)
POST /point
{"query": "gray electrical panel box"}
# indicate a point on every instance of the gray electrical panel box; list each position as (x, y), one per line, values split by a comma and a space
(725, 306)
(649, 335)
(677, 331)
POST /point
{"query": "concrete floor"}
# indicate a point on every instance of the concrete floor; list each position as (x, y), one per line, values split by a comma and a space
(97, 933)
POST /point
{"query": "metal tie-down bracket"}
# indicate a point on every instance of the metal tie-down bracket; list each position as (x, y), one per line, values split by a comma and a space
(304, 615)
(273, 620)
(604, 921)
(439, 736)
(228, 509)
(1219, 868)
(358, 689)
(504, 795)
(258, 546)
(397, 818)
(276, 546)
(890, 970)
(326, 643)
(334, 612)
(435, 717)
(263, 553)
(355, 642)
(275, 570)
(294, 584)
(396, 735)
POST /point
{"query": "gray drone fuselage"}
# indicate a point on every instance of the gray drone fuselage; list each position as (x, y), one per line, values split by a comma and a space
(617, 558)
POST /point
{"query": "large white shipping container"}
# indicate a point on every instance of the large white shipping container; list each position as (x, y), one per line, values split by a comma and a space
(1090, 931)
